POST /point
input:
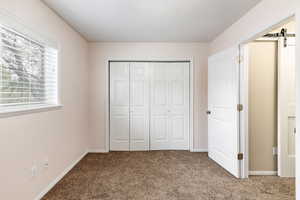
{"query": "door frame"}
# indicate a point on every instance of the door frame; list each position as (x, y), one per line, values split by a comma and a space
(191, 95)
(244, 84)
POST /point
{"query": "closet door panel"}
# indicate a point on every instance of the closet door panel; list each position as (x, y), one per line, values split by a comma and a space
(178, 105)
(119, 106)
(139, 107)
(159, 138)
(169, 125)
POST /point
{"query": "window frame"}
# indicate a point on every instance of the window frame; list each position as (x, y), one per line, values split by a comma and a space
(12, 22)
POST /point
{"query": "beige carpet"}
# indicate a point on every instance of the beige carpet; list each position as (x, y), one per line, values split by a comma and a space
(163, 175)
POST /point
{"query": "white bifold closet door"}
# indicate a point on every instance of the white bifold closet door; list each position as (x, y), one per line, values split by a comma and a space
(129, 107)
(139, 107)
(119, 106)
(169, 122)
(149, 106)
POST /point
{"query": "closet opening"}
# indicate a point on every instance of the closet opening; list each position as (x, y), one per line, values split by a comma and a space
(150, 105)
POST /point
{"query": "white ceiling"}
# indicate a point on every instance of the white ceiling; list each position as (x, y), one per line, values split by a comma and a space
(151, 20)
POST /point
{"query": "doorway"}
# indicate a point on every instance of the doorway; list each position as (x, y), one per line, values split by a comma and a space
(228, 105)
(269, 72)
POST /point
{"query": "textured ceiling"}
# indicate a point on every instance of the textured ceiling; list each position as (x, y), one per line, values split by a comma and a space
(151, 20)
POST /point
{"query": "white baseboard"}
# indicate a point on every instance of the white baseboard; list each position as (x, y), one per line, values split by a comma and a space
(98, 151)
(200, 150)
(57, 179)
(263, 173)
(105, 151)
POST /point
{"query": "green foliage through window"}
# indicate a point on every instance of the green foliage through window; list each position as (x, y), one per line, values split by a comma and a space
(27, 70)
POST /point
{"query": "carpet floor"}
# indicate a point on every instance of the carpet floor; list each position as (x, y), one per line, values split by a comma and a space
(163, 175)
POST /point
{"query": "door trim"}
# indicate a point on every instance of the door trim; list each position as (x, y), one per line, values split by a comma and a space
(170, 60)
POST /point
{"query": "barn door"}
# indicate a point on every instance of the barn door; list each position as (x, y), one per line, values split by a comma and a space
(223, 116)
(286, 108)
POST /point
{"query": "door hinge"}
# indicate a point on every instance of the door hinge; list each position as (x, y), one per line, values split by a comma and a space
(240, 107)
(240, 59)
(240, 156)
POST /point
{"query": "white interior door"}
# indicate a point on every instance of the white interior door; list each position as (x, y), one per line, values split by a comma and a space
(119, 106)
(223, 120)
(139, 106)
(286, 109)
(169, 123)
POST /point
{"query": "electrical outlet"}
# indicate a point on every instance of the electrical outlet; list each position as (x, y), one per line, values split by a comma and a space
(275, 151)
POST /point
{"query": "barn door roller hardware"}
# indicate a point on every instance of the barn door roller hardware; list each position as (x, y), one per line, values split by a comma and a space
(283, 33)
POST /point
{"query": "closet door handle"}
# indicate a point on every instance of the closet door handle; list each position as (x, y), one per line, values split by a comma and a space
(208, 112)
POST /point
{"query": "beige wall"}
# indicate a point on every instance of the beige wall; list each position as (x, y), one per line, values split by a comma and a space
(100, 53)
(262, 105)
(291, 26)
(60, 135)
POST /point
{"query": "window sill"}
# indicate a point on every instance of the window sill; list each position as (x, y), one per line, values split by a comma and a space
(9, 112)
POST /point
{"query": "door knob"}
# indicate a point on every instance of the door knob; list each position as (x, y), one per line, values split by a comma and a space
(208, 112)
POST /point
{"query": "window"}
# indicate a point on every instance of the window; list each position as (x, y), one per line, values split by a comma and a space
(28, 72)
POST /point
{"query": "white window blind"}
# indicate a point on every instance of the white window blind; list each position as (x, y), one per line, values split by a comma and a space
(28, 71)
